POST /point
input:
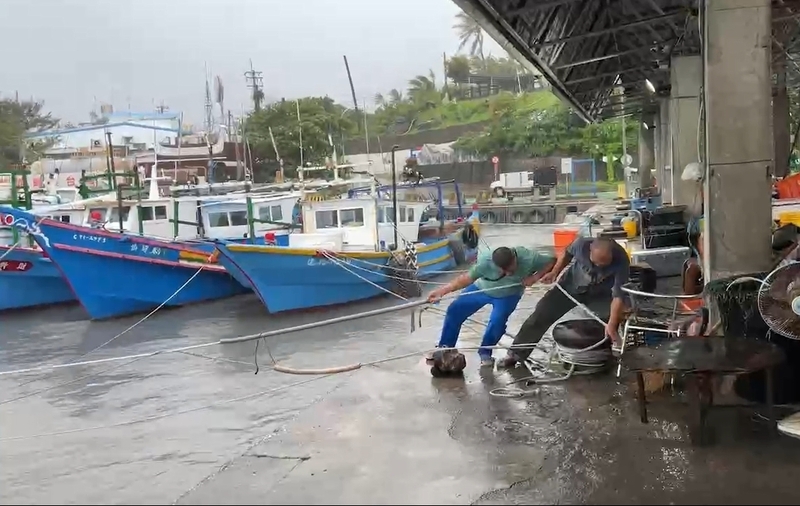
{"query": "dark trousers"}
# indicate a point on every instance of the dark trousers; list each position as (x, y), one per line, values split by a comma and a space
(549, 310)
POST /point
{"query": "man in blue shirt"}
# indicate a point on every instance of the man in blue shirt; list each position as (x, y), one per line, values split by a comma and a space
(498, 279)
(594, 271)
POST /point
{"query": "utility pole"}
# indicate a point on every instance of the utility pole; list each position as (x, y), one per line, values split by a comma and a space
(255, 81)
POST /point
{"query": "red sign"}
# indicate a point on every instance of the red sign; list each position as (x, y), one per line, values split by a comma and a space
(70, 181)
(14, 266)
(495, 160)
(6, 219)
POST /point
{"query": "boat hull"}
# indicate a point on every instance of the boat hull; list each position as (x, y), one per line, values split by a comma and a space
(114, 274)
(287, 279)
(29, 279)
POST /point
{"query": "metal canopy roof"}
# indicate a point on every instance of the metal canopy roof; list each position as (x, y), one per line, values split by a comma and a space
(592, 50)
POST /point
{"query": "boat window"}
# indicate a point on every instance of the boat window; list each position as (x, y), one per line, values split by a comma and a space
(381, 215)
(264, 214)
(326, 219)
(388, 213)
(114, 217)
(238, 218)
(147, 213)
(410, 214)
(218, 219)
(277, 213)
(161, 212)
(102, 211)
(352, 217)
(402, 216)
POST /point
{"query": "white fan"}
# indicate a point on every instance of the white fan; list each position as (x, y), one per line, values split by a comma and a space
(779, 305)
(779, 300)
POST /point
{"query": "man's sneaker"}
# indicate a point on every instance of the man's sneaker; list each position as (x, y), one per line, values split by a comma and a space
(487, 361)
(508, 361)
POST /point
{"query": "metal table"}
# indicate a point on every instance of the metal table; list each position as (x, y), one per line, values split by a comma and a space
(700, 359)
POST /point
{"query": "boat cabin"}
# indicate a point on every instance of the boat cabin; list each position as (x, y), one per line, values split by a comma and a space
(221, 216)
(357, 224)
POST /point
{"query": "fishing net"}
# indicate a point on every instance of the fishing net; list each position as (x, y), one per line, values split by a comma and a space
(402, 271)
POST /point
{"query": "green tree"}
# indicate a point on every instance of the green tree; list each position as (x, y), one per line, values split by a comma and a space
(320, 119)
(423, 92)
(458, 68)
(469, 34)
(18, 118)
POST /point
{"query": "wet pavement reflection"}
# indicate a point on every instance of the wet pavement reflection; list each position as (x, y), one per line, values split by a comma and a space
(209, 430)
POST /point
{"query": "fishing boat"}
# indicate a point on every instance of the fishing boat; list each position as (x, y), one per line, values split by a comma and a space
(349, 250)
(114, 274)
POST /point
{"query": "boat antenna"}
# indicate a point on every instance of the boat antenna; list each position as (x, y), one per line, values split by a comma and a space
(300, 130)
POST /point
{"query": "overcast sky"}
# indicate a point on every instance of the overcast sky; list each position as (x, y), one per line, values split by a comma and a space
(71, 53)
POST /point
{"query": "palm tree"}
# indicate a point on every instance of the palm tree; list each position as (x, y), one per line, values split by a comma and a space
(422, 89)
(469, 33)
(395, 97)
(380, 100)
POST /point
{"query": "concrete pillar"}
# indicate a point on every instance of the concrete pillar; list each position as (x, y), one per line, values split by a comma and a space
(646, 149)
(658, 164)
(780, 119)
(664, 168)
(739, 147)
(686, 79)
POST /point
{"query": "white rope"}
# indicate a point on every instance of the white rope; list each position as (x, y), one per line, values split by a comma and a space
(148, 315)
(9, 250)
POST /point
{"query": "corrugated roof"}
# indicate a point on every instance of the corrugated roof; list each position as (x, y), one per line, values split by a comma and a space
(588, 49)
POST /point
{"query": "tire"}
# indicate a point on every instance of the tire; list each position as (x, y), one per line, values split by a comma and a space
(519, 217)
(488, 217)
(537, 217)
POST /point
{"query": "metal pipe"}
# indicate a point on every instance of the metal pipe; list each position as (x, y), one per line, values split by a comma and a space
(394, 194)
(331, 321)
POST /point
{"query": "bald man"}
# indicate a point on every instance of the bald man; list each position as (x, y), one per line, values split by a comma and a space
(594, 271)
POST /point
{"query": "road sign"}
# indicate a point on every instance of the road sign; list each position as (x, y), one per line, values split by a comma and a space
(495, 160)
(566, 165)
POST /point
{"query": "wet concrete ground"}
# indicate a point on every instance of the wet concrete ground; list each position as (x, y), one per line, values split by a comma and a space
(189, 429)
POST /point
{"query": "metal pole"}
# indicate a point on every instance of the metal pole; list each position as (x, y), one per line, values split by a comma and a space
(394, 194)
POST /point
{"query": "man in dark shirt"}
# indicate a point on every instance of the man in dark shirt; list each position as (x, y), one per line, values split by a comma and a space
(595, 271)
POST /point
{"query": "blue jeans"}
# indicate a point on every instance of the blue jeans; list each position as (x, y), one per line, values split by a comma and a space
(466, 305)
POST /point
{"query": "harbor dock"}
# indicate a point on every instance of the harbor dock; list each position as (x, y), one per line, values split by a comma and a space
(199, 427)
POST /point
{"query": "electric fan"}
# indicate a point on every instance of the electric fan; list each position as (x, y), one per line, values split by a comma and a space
(779, 300)
(779, 305)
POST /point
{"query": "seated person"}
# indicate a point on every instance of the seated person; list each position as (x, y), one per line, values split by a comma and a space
(693, 267)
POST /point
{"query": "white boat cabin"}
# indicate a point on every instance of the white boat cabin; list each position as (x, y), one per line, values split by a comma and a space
(222, 216)
(357, 224)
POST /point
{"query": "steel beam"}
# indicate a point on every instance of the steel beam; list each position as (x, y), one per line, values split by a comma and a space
(607, 74)
(605, 31)
(602, 58)
(537, 5)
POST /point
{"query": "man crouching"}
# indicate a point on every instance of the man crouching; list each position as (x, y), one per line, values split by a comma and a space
(498, 279)
(596, 270)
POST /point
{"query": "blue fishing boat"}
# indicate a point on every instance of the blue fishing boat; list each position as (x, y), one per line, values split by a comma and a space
(114, 274)
(346, 254)
(28, 279)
